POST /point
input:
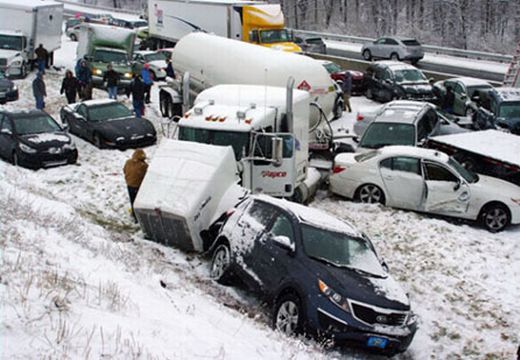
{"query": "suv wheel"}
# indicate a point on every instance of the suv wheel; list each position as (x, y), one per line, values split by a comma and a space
(367, 55)
(220, 263)
(394, 56)
(97, 141)
(370, 194)
(495, 217)
(73, 37)
(288, 315)
(14, 158)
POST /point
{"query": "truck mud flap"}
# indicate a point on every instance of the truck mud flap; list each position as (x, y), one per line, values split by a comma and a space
(165, 228)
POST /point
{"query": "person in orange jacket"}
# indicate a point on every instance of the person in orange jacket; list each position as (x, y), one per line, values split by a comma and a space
(135, 170)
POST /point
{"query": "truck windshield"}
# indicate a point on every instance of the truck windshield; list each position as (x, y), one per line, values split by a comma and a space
(510, 110)
(238, 140)
(8, 42)
(107, 56)
(274, 36)
(384, 134)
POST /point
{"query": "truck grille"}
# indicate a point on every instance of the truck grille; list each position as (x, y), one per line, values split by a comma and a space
(370, 316)
(3, 62)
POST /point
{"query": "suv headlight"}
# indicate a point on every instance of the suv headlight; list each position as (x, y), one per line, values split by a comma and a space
(333, 296)
(128, 75)
(26, 148)
(14, 88)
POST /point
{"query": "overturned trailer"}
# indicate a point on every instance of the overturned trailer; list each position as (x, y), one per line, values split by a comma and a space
(186, 188)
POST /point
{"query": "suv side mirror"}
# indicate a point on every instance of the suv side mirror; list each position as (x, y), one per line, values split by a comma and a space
(284, 242)
(6, 132)
(65, 126)
(79, 117)
(475, 98)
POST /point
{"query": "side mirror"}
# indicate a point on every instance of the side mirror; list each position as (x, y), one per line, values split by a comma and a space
(387, 81)
(6, 132)
(356, 139)
(457, 186)
(277, 144)
(385, 266)
(65, 126)
(79, 117)
(475, 98)
(285, 243)
(463, 96)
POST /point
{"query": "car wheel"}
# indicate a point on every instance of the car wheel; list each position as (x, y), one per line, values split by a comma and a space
(97, 141)
(288, 315)
(369, 94)
(220, 263)
(394, 56)
(14, 159)
(495, 217)
(164, 105)
(414, 61)
(367, 55)
(73, 37)
(370, 194)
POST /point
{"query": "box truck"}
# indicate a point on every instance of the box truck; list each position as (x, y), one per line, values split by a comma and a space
(251, 21)
(24, 25)
(101, 45)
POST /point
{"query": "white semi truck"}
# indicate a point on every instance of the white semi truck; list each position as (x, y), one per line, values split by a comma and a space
(251, 21)
(212, 60)
(24, 25)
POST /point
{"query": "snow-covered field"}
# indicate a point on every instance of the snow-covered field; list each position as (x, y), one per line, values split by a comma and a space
(77, 279)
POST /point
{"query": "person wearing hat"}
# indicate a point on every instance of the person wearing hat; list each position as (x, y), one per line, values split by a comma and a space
(147, 77)
(135, 170)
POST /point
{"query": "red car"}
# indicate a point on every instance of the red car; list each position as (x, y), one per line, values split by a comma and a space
(338, 74)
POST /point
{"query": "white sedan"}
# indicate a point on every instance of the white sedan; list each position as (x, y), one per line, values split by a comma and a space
(428, 181)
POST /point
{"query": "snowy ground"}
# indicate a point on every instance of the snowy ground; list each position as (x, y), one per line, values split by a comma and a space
(77, 279)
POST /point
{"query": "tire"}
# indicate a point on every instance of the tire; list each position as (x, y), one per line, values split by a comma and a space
(367, 55)
(394, 57)
(369, 94)
(370, 194)
(338, 109)
(288, 315)
(220, 264)
(97, 141)
(14, 159)
(495, 217)
(165, 105)
(23, 71)
(414, 61)
(73, 37)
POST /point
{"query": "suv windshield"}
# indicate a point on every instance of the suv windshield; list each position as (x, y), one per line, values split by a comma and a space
(11, 42)
(409, 76)
(332, 67)
(274, 36)
(155, 56)
(383, 134)
(509, 110)
(108, 112)
(238, 140)
(35, 124)
(469, 176)
(341, 250)
(107, 56)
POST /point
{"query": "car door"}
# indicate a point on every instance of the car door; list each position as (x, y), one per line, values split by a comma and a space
(378, 88)
(391, 46)
(378, 50)
(459, 104)
(387, 85)
(83, 124)
(6, 137)
(403, 182)
(427, 125)
(446, 193)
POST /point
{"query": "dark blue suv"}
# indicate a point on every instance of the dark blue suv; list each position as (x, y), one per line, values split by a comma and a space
(322, 276)
(498, 108)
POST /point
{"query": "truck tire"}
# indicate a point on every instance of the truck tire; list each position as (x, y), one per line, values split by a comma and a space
(23, 70)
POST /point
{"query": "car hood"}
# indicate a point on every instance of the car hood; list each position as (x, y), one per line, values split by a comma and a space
(125, 127)
(417, 88)
(46, 140)
(382, 292)
(284, 46)
(491, 188)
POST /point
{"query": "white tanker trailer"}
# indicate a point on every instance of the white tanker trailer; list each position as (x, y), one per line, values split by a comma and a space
(212, 60)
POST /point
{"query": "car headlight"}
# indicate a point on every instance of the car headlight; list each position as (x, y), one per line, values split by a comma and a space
(97, 72)
(333, 296)
(14, 88)
(16, 63)
(128, 75)
(26, 148)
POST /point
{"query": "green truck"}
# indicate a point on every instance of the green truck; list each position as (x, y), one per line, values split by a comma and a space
(101, 45)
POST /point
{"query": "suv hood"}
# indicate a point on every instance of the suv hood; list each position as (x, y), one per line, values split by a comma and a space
(382, 292)
(46, 140)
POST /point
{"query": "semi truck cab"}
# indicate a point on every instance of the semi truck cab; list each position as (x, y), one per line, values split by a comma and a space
(13, 50)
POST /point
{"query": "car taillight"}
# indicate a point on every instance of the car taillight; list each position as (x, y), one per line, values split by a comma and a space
(337, 169)
(360, 117)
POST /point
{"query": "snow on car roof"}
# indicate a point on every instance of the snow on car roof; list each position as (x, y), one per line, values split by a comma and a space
(495, 144)
(396, 65)
(313, 216)
(428, 154)
(99, 102)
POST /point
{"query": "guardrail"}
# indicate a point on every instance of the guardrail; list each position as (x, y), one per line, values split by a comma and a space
(429, 48)
(97, 7)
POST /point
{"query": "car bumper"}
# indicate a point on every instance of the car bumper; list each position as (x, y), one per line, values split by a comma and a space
(47, 160)
(6, 96)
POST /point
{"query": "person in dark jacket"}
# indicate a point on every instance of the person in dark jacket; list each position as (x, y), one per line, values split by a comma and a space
(135, 170)
(147, 78)
(347, 91)
(41, 57)
(137, 88)
(111, 78)
(449, 100)
(39, 90)
(85, 81)
(169, 69)
(70, 86)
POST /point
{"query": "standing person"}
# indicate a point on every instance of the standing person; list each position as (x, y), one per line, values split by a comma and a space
(41, 57)
(111, 78)
(137, 89)
(347, 90)
(147, 77)
(70, 86)
(449, 100)
(85, 81)
(169, 69)
(39, 91)
(135, 170)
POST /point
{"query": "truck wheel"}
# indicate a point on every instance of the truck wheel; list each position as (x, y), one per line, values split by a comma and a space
(165, 105)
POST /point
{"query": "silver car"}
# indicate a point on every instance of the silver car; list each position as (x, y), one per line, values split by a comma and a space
(73, 32)
(394, 48)
(156, 60)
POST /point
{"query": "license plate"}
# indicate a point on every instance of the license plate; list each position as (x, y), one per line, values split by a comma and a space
(377, 342)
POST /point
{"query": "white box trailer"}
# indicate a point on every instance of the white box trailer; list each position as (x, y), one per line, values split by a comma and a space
(24, 25)
(186, 188)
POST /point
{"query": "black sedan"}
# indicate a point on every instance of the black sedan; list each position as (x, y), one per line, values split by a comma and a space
(108, 124)
(34, 139)
(8, 90)
(321, 275)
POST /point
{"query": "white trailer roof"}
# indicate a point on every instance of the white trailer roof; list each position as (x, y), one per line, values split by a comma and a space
(28, 4)
(495, 144)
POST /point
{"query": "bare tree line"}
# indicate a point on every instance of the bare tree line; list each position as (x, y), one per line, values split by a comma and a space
(487, 25)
